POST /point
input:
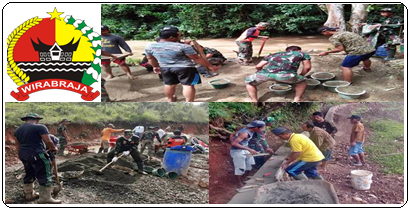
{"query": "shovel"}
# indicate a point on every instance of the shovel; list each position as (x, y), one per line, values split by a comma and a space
(263, 44)
(100, 171)
(57, 188)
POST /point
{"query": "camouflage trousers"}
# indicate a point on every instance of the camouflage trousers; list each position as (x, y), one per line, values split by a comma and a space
(149, 144)
(216, 61)
(245, 50)
(63, 143)
(282, 77)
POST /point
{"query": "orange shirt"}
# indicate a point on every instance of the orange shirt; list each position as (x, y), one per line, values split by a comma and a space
(358, 130)
(106, 133)
(176, 141)
(244, 36)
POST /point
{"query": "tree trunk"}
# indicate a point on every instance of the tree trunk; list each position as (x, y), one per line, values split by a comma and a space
(359, 15)
(336, 18)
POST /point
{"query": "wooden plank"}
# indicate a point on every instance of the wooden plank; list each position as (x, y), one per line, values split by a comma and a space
(258, 154)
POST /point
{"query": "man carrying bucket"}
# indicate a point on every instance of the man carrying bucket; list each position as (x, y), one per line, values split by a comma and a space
(357, 140)
(281, 67)
(241, 153)
(127, 145)
(304, 152)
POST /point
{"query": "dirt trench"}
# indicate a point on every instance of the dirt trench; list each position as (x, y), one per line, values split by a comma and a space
(119, 184)
(384, 83)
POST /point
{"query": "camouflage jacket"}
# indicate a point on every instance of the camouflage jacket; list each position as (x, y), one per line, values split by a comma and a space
(285, 62)
(392, 25)
(216, 53)
(150, 135)
(353, 43)
(60, 130)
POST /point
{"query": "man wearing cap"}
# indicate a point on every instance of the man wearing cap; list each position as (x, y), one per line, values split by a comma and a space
(111, 44)
(323, 140)
(390, 31)
(148, 140)
(320, 122)
(245, 42)
(32, 139)
(62, 134)
(281, 67)
(304, 152)
(173, 60)
(106, 135)
(176, 139)
(357, 140)
(127, 144)
(356, 47)
(240, 151)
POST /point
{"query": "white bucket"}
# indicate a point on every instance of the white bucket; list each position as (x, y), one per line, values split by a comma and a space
(361, 179)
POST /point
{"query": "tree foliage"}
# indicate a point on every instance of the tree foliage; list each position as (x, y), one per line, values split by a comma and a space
(95, 113)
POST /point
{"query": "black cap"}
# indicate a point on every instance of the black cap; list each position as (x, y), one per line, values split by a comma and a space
(169, 28)
(280, 130)
(104, 28)
(256, 123)
(325, 28)
(355, 117)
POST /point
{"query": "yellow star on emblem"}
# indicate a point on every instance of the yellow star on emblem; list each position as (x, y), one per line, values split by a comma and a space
(55, 14)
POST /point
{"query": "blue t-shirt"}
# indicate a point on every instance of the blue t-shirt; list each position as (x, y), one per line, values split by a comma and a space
(29, 137)
(245, 141)
(171, 54)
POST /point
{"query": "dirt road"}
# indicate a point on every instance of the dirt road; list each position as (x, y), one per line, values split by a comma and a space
(383, 84)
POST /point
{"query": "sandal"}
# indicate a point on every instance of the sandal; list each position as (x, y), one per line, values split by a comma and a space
(366, 69)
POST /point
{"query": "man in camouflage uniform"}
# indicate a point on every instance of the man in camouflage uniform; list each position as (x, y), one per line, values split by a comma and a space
(148, 140)
(356, 47)
(62, 134)
(245, 42)
(390, 31)
(214, 57)
(281, 67)
(127, 145)
(258, 143)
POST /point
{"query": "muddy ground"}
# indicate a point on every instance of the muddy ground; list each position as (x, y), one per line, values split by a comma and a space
(119, 184)
(385, 189)
(385, 83)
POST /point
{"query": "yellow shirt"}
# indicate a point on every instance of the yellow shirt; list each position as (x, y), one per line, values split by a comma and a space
(106, 133)
(308, 149)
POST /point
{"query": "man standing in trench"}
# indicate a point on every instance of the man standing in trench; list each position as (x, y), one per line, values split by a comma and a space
(173, 60)
(240, 152)
(304, 152)
(32, 139)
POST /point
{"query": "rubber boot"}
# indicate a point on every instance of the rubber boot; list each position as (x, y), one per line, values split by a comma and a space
(45, 196)
(300, 177)
(29, 193)
(318, 177)
(390, 55)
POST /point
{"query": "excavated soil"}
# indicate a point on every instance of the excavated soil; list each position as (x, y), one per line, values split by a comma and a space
(119, 184)
(384, 83)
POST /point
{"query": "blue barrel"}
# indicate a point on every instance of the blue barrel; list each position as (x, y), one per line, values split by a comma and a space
(177, 161)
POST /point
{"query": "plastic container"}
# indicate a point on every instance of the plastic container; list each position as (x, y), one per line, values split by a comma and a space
(177, 161)
(350, 92)
(171, 175)
(219, 83)
(332, 85)
(312, 83)
(280, 89)
(323, 76)
(361, 179)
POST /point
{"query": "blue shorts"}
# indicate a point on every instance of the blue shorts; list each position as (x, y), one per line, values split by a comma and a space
(354, 60)
(328, 155)
(309, 168)
(356, 149)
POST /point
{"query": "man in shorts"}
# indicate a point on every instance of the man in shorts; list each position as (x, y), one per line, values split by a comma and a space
(356, 47)
(173, 60)
(323, 140)
(357, 140)
(110, 43)
(281, 67)
(240, 151)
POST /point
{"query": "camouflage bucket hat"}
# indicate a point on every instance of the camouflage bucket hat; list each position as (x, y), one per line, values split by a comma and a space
(263, 24)
(387, 10)
(31, 116)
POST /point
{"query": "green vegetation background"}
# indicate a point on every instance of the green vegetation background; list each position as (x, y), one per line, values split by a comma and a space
(144, 21)
(96, 113)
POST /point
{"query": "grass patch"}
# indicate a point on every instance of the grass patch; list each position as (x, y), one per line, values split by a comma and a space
(386, 145)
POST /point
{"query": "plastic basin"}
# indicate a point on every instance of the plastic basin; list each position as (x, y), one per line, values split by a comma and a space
(332, 85)
(312, 84)
(323, 76)
(350, 92)
(219, 83)
(280, 89)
